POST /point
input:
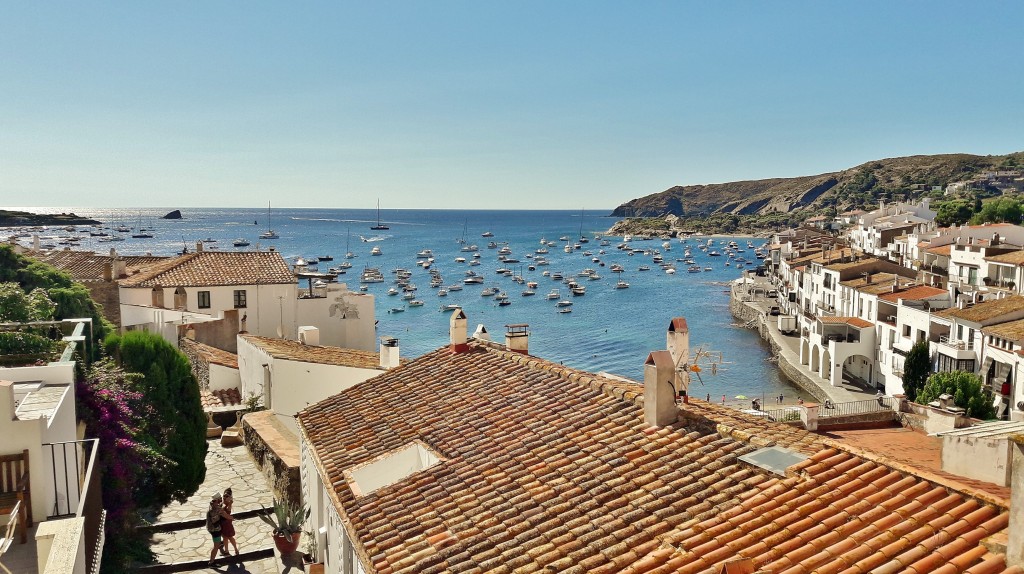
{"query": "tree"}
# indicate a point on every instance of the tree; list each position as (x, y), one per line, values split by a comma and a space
(955, 212)
(916, 369)
(1000, 210)
(177, 424)
(966, 390)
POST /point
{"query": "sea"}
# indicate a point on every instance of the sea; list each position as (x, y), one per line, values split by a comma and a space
(610, 330)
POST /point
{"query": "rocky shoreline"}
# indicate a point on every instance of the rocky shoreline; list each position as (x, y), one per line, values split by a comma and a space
(26, 219)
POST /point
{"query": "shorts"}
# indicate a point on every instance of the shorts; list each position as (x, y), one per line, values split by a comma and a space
(216, 537)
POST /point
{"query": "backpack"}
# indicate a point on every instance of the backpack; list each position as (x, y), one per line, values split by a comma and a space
(212, 522)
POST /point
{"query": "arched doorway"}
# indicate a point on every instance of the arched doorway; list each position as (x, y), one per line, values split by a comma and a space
(826, 365)
(805, 352)
(857, 370)
(158, 297)
(815, 363)
(180, 298)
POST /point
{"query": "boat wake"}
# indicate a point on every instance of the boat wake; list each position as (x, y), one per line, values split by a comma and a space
(374, 238)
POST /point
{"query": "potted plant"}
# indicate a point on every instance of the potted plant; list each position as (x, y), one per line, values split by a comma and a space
(286, 520)
(310, 558)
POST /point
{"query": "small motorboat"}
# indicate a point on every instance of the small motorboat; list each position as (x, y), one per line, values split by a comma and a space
(620, 284)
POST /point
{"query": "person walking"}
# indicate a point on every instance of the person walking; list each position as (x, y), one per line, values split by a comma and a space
(227, 530)
(213, 526)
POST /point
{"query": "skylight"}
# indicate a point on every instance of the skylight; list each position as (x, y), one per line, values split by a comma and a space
(774, 459)
(391, 468)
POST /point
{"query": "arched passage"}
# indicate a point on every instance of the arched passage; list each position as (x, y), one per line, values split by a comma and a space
(826, 365)
(180, 298)
(857, 369)
(815, 363)
(805, 352)
(158, 297)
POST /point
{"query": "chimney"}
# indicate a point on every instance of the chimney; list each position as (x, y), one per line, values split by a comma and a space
(309, 335)
(35, 243)
(7, 400)
(481, 333)
(1015, 530)
(457, 332)
(199, 246)
(677, 341)
(659, 389)
(517, 338)
(389, 352)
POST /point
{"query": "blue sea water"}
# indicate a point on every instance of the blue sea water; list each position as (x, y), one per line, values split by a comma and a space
(609, 329)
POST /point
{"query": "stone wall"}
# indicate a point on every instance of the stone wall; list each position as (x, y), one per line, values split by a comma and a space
(106, 294)
(879, 419)
(200, 368)
(277, 457)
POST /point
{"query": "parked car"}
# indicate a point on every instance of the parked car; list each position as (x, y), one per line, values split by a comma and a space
(774, 311)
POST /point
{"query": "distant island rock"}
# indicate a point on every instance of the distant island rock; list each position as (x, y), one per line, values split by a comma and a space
(26, 219)
(176, 214)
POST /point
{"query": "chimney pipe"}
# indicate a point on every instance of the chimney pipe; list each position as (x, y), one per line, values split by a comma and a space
(677, 341)
(389, 352)
(659, 389)
(309, 335)
(457, 332)
(481, 333)
(517, 338)
(1015, 544)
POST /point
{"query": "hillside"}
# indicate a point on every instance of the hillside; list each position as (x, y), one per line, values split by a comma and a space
(24, 218)
(903, 178)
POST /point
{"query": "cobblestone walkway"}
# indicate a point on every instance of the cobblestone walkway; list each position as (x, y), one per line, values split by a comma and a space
(181, 537)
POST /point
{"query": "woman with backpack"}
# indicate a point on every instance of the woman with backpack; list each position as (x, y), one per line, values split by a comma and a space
(213, 526)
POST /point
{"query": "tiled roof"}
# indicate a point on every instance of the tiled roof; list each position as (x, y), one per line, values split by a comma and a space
(213, 355)
(914, 293)
(222, 399)
(854, 321)
(1013, 258)
(549, 469)
(1012, 330)
(880, 283)
(941, 250)
(86, 266)
(992, 309)
(296, 351)
(213, 268)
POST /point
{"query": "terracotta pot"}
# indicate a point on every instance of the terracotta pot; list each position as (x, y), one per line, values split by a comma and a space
(317, 568)
(285, 547)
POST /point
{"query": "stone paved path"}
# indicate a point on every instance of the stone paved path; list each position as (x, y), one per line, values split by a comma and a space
(182, 538)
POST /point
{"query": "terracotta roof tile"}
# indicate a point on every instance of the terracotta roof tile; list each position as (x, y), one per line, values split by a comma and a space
(1012, 330)
(296, 351)
(219, 399)
(1012, 258)
(854, 321)
(941, 249)
(212, 355)
(986, 310)
(214, 268)
(914, 294)
(87, 266)
(550, 469)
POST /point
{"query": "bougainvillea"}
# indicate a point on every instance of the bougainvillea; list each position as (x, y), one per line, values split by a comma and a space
(117, 416)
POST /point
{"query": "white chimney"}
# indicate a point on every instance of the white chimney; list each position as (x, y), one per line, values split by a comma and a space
(481, 333)
(389, 352)
(517, 338)
(1015, 544)
(677, 341)
(457, 332)
(35, 243)
(309, 335)
(659, 389)
(199, 246)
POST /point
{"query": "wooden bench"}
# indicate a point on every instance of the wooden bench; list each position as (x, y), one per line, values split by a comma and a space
(16, 488)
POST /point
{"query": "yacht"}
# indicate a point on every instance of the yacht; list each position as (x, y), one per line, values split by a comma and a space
(564, 303)
(529, 293)
(620, 284)
(452, 307)
(376, 251)
(269, 233)
(553, 294)
(425, 254)
(489, 292)
(415, 303)
(380, 226)
(240, 242)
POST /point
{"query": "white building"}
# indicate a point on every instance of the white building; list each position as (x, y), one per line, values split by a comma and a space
(291, 375)
(201, 287)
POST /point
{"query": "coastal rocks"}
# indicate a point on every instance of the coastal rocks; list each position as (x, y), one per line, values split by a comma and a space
(176, 214)
(24, 218)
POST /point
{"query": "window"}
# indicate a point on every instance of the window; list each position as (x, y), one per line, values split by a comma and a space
(239, 298)
(906, 331)
(204, 299)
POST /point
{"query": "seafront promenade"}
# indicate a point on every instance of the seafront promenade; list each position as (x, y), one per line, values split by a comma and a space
(749, 304)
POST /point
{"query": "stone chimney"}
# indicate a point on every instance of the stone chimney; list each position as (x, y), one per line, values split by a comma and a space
(309, 335)
(677, 341)
(517, 338)
(389, 352)
(457, 332)
(659, 389)
(481, 333)
(1015, 544)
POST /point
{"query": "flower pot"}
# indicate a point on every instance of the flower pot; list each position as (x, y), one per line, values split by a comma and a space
(285, 547)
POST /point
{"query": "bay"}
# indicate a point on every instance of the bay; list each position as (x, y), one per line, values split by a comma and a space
(609, 329)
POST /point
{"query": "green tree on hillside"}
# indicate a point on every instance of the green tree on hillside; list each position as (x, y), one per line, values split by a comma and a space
(954, 212)
(966, 390)
(178, 426)
(1000, 210)
(916, 368)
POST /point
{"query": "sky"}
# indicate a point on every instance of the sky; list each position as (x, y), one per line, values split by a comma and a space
(469, 104)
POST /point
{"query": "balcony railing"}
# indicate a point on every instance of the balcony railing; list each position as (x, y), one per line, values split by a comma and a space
(958, 345)
(74, 478)
(935, 269)
(874, 405)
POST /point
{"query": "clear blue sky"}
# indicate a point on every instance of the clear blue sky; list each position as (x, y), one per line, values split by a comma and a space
(485, 104)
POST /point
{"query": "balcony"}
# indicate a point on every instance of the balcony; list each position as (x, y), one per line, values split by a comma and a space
(935, 270)
(959, 350)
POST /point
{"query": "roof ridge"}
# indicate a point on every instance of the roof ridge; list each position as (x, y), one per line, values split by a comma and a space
(157, 269)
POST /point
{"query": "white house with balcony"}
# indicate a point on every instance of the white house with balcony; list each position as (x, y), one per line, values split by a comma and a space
(60, 526)
(198, 289)
(959, 348)
(1002, 367)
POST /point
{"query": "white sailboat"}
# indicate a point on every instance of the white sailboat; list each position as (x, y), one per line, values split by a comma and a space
(348, 252)
(269, 233)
